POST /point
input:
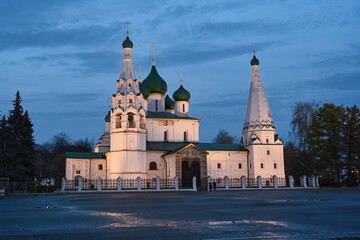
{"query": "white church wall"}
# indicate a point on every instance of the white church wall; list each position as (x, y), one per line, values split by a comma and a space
(156, 102)
(175, 128)
(155, 157)
(229, 164)
(82, 167)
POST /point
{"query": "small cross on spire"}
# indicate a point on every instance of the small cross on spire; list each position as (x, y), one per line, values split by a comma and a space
(139, 73)
(153, 53)
(181, 75)
(127, 28)
(253, 47)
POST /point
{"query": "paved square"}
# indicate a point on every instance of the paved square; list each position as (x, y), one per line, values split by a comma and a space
(267, 214)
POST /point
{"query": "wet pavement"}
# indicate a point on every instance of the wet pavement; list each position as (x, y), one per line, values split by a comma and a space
(272, 214)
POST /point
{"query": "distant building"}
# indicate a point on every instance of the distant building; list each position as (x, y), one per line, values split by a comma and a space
(148, 135)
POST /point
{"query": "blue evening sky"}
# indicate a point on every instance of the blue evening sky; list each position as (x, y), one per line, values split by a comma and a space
(65, 56)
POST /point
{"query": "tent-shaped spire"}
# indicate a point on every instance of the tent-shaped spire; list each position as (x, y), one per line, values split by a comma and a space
(258, 112)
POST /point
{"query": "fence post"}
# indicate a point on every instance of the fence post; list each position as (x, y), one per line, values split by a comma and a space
(208, 183)
(157, 183)
(99, 184)
(118, 183)
(226, 178)
(291, 181)
(259, 182)
(243, 182)
(303, 181)
(176, 182)
(63, 184)
(138, 179)
(194, 183)
(317, 181)
(313, 181)
(80, 184)
(275, 179)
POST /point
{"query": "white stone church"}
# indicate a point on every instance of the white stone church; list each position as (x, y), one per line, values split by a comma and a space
(148, 135)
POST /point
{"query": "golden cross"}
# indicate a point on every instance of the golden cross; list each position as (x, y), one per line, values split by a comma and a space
(253, 47)
(153, 53)
(140, 73)
(127, 28)
(181, 75)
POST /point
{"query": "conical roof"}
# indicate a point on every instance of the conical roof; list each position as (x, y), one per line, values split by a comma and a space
(154, 83)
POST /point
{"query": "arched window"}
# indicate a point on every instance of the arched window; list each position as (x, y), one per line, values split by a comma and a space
(185, 136)
(183, 107)
(131, 122)
(156, 105)
(268, 152)
(118, 121)
(261, 165)
(240, 166)
(267, 140)
(100, 167)
(77, 171)
(219, 165)
(153, 166)
(165, 135)
(275, 166)
(130, 100)
(129, 84)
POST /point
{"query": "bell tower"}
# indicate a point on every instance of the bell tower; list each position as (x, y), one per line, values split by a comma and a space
(266, 157)
(127, 156)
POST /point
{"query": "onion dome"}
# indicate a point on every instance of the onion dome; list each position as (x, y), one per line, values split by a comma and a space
(154, 83)
(169, 103)
(143, 90)
(181, 94)
(254, 61)
(107, 117)
(127, 43)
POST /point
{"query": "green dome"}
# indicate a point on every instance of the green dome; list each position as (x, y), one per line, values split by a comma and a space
(181, 94)
(107, 117)
(169, 103)
(154, 83)
(143, 90)
(127, 43)
(254, 61)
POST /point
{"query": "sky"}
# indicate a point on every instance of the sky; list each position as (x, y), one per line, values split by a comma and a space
(65, 57)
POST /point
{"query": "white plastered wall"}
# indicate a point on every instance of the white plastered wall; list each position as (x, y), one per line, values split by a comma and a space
(229, 164)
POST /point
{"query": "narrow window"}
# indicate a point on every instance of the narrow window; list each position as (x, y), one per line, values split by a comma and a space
(131, 122)
(156, 105)
(153, 166)
(185, 136)
(118, 121)
(274, 165)
(165, 135)
(240, 166)
(100, 167)
(267, 140)
(130, 100)
(268, 152)
(119, 102)
(77, 171)
(183, 107)
(250, 165)
(129, 84)
(219, 165)
(262, 165)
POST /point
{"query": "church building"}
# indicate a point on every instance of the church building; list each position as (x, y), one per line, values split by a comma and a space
(149, 134)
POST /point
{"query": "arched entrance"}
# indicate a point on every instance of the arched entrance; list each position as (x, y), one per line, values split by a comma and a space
(189, 170)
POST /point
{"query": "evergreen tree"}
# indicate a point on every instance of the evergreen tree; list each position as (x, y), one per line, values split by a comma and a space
(325, 139)
(351, 144)
(20, 149)
(4, 138)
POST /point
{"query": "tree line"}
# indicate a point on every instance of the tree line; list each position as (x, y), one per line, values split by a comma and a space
(325, 142)
(23, 160)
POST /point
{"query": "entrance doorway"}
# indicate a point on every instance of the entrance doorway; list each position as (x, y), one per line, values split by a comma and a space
(190, 170)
